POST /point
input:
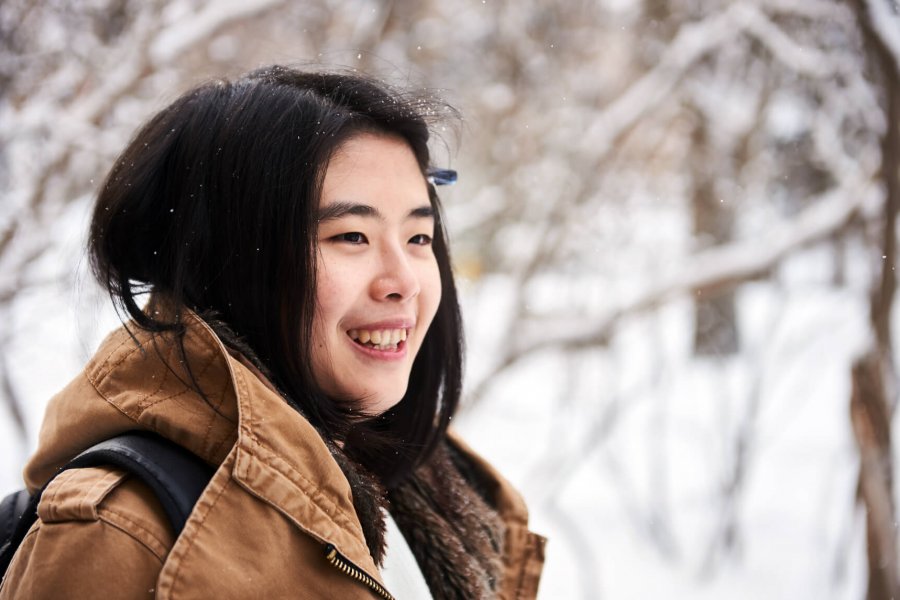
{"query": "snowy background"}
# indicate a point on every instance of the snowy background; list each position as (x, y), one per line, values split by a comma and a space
(674, 235)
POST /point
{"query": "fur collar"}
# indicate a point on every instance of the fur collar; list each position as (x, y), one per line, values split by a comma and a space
(455, 535)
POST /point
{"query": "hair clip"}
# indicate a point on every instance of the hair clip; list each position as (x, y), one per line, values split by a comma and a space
(441, 176)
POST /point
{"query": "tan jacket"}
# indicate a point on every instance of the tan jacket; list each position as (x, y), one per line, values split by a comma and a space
(261, 527)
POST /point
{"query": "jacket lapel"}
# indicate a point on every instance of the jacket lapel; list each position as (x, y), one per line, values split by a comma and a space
(283, 460)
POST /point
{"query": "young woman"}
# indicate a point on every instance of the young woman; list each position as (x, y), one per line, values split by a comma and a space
(301, 333)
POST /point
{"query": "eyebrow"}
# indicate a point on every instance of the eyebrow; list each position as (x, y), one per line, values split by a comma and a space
(339, 210)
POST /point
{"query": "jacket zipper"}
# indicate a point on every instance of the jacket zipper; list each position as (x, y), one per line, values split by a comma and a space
(348, 568)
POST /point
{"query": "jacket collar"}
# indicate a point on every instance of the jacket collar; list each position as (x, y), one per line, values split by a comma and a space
(278, 456)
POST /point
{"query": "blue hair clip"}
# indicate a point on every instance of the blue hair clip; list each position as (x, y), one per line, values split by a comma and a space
(441, 176)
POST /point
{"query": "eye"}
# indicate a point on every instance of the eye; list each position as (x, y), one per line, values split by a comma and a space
(351, 237)
(420, 240)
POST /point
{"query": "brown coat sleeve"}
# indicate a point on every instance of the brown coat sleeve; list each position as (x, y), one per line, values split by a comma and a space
(99, 535)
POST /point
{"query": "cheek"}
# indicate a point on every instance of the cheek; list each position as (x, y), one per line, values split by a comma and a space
(329, 294)
(431, 291)
(327, 311)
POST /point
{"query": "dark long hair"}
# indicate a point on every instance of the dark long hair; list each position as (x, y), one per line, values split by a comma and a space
(213, 205)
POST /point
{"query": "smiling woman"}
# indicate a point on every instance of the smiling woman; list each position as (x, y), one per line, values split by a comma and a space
(277, 243)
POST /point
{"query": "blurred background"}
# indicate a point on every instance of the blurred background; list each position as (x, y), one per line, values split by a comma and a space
(674, 234)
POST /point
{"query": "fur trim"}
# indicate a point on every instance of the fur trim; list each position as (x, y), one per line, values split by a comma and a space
(454, 534)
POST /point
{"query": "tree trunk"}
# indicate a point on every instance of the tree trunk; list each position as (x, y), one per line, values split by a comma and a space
(874, 381)
(715, 322)
(870, 417)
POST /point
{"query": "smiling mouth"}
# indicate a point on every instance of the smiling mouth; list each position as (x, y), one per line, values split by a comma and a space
(386, 340)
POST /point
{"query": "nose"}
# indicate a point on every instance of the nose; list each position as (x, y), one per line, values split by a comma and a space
(396, 277)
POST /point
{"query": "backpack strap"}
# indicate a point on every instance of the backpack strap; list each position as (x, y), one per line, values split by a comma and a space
(12, 508)
(176, 476)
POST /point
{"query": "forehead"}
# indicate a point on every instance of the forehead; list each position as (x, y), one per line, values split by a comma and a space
(374, 168)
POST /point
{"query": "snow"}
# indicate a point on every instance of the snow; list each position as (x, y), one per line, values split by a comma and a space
(661, 465)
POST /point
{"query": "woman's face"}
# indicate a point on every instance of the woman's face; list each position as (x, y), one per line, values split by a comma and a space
(378, 282)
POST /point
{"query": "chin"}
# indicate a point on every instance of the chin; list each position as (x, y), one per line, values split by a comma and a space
(380, 403)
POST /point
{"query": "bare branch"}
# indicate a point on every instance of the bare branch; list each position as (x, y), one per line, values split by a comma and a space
(885, 23)
(814, 10)
(690, 45)
(711, 270)
(187, 33)
(803, 60)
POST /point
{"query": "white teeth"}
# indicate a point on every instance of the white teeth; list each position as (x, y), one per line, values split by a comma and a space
(383, 339)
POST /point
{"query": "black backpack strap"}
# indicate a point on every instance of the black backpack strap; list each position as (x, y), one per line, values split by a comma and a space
(21, 511)
(12, 508)
(176, 476)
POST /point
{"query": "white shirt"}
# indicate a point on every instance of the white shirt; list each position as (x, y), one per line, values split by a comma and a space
(401, 573)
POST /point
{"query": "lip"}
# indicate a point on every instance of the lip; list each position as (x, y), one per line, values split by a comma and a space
(385, 355)
(394, 323)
